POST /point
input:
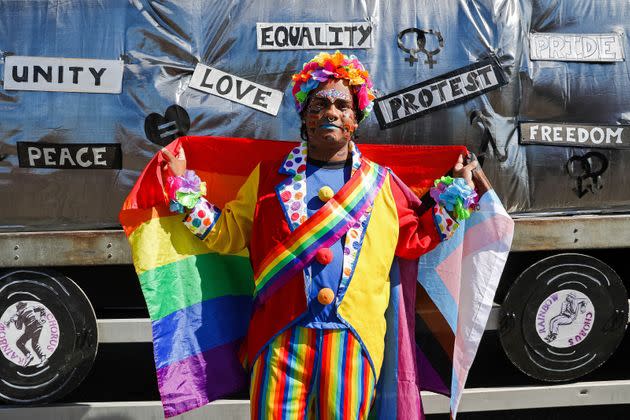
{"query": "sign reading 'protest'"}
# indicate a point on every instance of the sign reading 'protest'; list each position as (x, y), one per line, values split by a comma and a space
(309, 36)
(63, 74)
(440, 92)
(210, 80)
(576, 47)
(69, 156)
(576, 135)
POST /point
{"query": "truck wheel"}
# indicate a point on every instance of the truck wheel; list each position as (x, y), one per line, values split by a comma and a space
(48, 336)
(563, 317)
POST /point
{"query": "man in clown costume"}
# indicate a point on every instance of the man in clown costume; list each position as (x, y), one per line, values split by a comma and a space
(322, 228)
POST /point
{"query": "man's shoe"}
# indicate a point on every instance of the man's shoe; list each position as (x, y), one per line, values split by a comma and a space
(29, 357)
(42, 362)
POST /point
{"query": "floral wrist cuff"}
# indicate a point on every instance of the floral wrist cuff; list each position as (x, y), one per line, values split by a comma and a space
(185, 191)
(455, 195)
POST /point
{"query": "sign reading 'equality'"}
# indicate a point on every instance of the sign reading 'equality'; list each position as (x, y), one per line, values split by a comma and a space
(440, 92)
(210, 80)
(576, 135)
(309, 36)
(58, 74)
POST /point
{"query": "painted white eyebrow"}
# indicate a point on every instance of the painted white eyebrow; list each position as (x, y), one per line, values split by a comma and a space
(332, 95)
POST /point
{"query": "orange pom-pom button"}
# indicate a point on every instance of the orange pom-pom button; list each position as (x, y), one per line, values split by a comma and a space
(325, 193)
(324, 256)
(325, 296)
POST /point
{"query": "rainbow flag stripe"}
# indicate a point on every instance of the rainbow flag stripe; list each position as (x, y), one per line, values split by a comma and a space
(320, 230)
(203, 296)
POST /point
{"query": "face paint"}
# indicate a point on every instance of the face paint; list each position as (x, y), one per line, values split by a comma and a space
(329, 116)
(328, 97)
(348, 128)
(332, 95)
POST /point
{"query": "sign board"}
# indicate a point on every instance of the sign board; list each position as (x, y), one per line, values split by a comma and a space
(57, 74)
(437, 93)
(314, 36)
(69, 156)
(214, 81)
(576, 47)
(575, 135)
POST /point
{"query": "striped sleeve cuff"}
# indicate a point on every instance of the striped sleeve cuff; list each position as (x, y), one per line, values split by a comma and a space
(202, 218)
(446, 225)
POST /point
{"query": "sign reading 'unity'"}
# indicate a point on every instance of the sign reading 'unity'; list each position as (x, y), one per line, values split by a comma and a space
(576, 47)
(58, 74)
(210, 80)
(440, 92)
(309, 36)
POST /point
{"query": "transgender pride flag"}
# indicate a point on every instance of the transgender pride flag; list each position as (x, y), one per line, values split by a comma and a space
(459, 279)
(200, 302)
(438, 311)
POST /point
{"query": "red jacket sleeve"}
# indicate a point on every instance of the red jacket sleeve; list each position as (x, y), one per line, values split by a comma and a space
(418, 233)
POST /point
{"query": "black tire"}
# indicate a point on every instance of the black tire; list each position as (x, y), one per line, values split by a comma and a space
(38, 301)
(563, 317)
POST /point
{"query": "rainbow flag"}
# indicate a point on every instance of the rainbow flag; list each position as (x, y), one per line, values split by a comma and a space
(200, 302)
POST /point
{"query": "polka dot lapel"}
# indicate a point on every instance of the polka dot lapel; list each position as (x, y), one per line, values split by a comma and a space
(292, 191)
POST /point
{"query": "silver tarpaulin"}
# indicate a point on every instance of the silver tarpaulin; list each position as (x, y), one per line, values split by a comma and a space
(158, 45)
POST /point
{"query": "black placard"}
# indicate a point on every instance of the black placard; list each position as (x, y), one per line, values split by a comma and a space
(69, 156)
(575, 135)
(440, 92)
(163, 129)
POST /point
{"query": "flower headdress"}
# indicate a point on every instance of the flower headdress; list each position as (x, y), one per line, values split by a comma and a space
(327, 66)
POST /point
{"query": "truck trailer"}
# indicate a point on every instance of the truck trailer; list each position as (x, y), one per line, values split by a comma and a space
(92, 90)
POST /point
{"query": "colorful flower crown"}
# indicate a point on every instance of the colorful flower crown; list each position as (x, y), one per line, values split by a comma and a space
(327, 66)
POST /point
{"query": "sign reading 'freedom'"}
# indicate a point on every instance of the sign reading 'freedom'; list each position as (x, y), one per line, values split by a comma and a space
(440, 92)
(210, 80)
(308, 36)
(576, 135)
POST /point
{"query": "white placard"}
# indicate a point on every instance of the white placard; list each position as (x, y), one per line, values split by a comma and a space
(565, 318)
(313, 36)
(576, 47)
(210, 80)
(58, 74)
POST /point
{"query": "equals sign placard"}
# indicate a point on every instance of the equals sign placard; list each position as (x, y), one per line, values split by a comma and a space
(163, 129)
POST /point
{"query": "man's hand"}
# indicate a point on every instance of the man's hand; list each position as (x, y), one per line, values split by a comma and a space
(11, 321)
(175, 165)
(466, 172)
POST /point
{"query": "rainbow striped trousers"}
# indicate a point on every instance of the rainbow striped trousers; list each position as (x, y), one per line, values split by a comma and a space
(308, 373)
